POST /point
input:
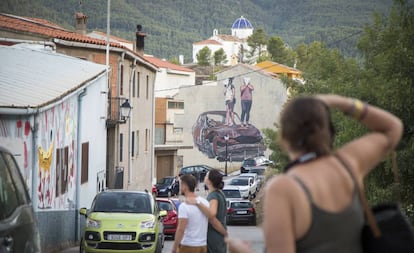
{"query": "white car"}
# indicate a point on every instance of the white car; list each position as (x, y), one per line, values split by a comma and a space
(255, 185)
(245, 185)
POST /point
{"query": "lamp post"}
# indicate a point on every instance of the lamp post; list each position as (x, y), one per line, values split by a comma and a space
(226, 138)
(125, 111)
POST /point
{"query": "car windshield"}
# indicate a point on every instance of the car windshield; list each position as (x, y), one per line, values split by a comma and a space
(165, 181)
(239, 181)
(241, 205)
(122, 202)
(250, 162)
(164, 205)
(232, 193)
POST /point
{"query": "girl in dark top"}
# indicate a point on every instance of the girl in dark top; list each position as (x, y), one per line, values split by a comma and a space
(314, 206)
(217, 231)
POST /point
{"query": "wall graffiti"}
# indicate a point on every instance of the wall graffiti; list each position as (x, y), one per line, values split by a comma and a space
(56, 156)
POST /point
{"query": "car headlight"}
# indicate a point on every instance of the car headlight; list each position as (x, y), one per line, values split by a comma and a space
(148, 224)
(93, 223)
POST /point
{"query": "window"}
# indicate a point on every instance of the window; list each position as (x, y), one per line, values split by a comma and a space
(62, 155)
(132, 144)
(133, 86)
(175, 105)
(121, 144)
(137, 143)
(147, 91)
(85, 163)
(121, 85)
(146, 139)
(178, 130)
(12, 190)
(138, 83)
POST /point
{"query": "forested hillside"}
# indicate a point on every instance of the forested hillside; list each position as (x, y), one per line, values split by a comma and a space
(173, 25)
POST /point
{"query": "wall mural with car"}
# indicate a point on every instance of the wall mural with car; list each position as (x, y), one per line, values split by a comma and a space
(220, 132)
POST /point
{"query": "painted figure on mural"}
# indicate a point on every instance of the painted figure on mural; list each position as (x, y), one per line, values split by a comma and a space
(230, 100)
(246, 98)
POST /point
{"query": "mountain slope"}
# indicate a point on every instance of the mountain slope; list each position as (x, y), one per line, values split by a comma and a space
(173, 25)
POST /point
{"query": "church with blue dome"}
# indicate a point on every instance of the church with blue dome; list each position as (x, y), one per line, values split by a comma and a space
(234, 45)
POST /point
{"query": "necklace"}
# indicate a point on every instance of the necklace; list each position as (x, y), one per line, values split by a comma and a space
(302, 159)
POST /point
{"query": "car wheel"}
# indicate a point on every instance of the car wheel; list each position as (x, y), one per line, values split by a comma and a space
(253, 222)
(158, 249)
(81, 249)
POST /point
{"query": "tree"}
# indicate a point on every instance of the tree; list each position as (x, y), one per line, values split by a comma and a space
(256, 42)
(204, 56)
(220, 57)
(386, 79)
(388, 50)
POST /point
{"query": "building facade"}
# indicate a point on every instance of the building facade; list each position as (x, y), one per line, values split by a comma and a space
(235, 45)
(52, 116)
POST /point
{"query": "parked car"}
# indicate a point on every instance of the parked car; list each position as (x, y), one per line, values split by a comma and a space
(241, 211)
(245, 185)
(210, 134)
(260, 171)
(177, 202)
(254, 162)
(18, 226)
(168, 186)
(123, 220)
(255, 184)
(154, 190)
(170, 221)
(198, 171)
(232, 193)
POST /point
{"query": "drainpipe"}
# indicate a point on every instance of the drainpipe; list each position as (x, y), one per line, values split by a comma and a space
(118, 94)
(153, 172)
(34, 129)
(79, 163)
(132, 74)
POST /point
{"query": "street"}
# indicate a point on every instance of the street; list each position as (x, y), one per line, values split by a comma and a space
(249, 233)
(252, 234)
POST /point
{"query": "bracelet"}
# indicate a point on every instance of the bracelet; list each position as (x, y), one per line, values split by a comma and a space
(358, 109)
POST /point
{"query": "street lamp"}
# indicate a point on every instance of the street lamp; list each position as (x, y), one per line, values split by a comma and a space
(125, 111)
(226, 138)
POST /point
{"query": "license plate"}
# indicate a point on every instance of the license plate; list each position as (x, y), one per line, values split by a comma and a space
(241, 212)
(117, 237)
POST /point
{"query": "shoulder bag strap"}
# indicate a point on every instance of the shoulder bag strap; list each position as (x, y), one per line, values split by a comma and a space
(368, 212)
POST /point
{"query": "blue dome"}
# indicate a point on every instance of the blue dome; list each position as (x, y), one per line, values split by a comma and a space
(242, 23)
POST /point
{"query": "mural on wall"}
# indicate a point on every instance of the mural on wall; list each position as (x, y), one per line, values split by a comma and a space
(220, 133)
(56, 156)
(16, 136)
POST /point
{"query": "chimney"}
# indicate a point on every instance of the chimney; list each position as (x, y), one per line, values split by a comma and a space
(81, 23)
(139, 40)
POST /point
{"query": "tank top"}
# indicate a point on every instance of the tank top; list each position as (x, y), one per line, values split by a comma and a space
(338, 232)
(215, 241)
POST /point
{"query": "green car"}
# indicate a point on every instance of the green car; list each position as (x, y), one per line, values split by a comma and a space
(123, 221)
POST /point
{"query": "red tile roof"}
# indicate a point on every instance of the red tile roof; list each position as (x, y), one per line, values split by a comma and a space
(165, 64)
(43, 27)
(207, 42)
(112, 37)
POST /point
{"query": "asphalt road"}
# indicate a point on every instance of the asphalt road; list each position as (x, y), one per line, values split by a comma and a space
(252, 234)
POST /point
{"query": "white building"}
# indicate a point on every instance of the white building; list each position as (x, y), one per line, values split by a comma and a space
(233, 45)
